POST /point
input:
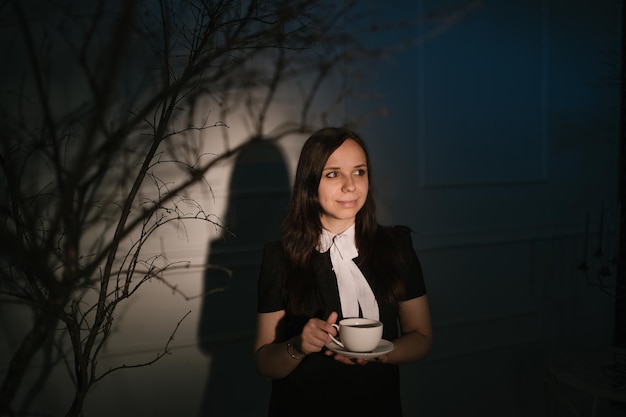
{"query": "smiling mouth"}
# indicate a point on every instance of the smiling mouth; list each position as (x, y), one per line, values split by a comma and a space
(348, 203)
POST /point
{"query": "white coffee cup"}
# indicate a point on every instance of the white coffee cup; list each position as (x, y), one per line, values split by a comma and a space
(358, 334)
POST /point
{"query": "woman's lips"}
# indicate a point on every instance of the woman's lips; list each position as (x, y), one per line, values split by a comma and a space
(347, 203)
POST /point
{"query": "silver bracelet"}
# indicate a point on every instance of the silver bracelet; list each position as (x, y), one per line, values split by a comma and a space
(289, 346)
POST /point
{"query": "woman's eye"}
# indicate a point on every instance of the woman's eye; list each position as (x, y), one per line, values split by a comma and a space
(360, 172)
(331, 174)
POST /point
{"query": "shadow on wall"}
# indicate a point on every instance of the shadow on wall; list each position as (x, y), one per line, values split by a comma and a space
(258, 197)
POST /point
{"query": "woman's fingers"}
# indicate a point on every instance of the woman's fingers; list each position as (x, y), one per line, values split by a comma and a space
(355, 361)
(332, 318)
(315, 335)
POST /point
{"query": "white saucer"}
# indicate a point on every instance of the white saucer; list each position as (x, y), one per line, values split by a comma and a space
(385, 346)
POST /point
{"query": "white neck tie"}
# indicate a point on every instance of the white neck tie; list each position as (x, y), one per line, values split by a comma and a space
(354, 289)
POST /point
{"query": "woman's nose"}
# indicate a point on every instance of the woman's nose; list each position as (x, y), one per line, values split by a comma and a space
(348, 184)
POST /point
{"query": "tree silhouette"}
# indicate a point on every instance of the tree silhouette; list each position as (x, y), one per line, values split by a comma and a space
(106, 110)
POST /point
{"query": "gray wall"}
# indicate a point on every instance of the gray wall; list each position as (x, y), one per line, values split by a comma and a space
(499, 137)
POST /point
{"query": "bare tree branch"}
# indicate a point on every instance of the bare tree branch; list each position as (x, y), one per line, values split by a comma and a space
(111, 113)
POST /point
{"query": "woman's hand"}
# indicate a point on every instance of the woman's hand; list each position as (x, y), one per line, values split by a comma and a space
(315, 334)
(356, 361)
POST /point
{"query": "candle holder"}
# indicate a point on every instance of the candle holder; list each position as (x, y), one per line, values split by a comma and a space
(603, 272)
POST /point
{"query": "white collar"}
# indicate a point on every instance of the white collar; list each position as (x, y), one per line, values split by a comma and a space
(327, 238)
(355, 292)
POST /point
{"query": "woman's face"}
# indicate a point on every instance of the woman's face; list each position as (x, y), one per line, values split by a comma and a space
(343, 186)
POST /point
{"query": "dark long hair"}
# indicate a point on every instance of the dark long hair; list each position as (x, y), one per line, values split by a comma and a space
(303, 225)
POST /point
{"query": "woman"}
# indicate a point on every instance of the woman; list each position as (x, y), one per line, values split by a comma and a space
(335, 261)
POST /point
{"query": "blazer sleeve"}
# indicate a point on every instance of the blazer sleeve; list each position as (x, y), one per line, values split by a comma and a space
(413, 276)
(269, 285)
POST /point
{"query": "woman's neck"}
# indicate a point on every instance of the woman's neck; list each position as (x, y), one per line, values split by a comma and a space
(336, 227)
